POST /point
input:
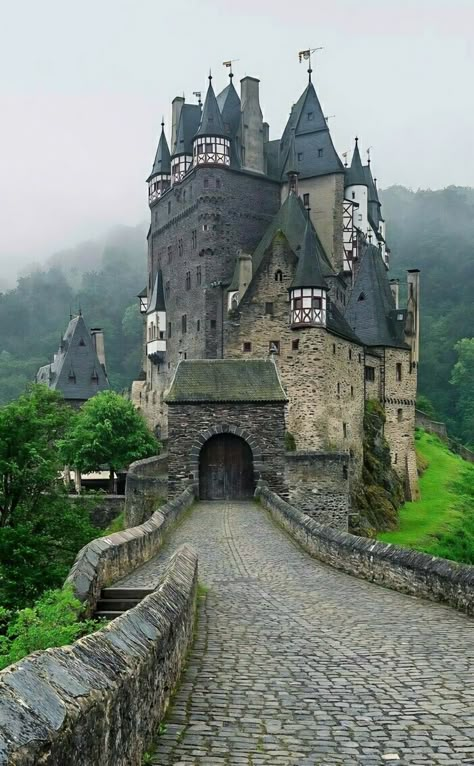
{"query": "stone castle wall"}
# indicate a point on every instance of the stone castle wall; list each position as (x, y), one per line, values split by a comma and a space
(323, 377)
(101, 700)
(262, 425)
(146, 488)
(318, 484)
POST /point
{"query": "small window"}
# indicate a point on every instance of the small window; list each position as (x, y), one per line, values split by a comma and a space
(360, 217)
(398, 372)
(310, 116)
(188, 280)
(306, 200)
(180, 246)
(170, 253)
(361, 297)
(300, 156)
(194, 238)
(184, 324)
(333, 348)
(353, 195)
(370, 374)
(350, 353)
(274, 347)
(395, 458)
(205, 227)
(352, 392)
(198, 325)
(360, 358)
(278, 275)
(345, 472)
(400, 415)
(82, 342)
(269, 308)
(320, 152)
(185, 354)
(198, 275)
(162, 335)
(247, 346)
(169, 207)
(213, 324)
(169, 329)
(344, 430)
(295, 344)
(338, 388)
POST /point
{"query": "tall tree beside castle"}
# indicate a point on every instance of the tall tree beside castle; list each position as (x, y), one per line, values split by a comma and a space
(263, 248)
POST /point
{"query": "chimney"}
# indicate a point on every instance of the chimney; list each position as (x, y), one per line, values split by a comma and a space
(395, 288)
(413, 314)
(176, 106)
(266, 132)
(251, 122)
(97, 336)
(245, 272)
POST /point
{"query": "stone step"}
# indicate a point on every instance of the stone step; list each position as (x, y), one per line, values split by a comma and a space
(121, 593)
(117, 604)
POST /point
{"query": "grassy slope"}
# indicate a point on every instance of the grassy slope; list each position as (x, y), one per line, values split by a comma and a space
(442, 522)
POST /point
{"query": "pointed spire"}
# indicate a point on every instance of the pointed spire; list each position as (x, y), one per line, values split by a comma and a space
(157, 301)
(309, 271)
(355, 176)
(211, 120)
(291, 165)
(162, 163)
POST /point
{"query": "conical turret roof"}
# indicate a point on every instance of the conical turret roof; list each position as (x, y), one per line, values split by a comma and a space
(309, 271)
(291, 165)
(211, 119)
(157, 301)
(355, 175)
(162, 163)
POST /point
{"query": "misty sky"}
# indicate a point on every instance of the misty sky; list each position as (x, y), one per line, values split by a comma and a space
(83, 86)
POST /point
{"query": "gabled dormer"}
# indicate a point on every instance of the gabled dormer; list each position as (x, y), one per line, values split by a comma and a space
(211, 144)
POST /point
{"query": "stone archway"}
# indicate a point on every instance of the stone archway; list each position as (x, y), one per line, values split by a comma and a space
(226, 469)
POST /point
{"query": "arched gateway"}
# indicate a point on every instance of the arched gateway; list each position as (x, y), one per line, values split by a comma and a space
(226, 469)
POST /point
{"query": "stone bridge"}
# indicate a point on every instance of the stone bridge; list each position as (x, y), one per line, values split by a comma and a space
(294, 662)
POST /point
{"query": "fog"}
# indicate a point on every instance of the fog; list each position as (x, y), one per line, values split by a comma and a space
(83, 87)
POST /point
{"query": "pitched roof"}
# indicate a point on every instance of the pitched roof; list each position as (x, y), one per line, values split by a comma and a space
(291, 164)
(225, 380)
(371, 311)
(228, 102)
(291, 220)
(309, 270)
(355, 175)
(374, 206)
(157, 301)
(188, 124)
(162, 163)
(313, 140)
(76, 370)
(211, 123)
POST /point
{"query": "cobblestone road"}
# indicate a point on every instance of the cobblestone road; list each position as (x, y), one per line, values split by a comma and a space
(297, 664)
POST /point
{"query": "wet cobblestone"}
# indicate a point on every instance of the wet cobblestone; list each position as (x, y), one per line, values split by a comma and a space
(296, 664)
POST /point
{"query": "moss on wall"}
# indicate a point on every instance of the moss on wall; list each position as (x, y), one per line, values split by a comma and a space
(380, 493)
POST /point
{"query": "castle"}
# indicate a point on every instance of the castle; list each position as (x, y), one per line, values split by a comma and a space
(269, 312)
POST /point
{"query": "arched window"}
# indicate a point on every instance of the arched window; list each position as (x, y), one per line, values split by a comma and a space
(278, 275)
(361, 297)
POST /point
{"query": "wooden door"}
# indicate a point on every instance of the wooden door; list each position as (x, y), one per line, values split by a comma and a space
(226, 469)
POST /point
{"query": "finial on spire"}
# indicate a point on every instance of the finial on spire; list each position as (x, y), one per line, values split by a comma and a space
(357, 139)
(228, 65)
(162, 122)
(210, 77)
(306, 55)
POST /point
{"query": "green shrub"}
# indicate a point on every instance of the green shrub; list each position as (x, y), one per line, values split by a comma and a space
(54, 620)
(290, 443)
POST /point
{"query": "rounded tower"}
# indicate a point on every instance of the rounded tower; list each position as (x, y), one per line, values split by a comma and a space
(159, 179)
(211, 144)
(356, 190)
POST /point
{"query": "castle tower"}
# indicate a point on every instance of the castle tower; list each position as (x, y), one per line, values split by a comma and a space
(159, 179)
(356, 190)
(308, 291)
(156, 323)
(210, 144)
(182, 155)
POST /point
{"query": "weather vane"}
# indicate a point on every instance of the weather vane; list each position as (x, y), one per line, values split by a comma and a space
(198, 95)
(306, 56)
(228, 65)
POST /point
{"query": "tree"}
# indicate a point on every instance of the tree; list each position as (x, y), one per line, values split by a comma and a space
(30, 428)
(108, 430)
(462, 378)
(425, 405)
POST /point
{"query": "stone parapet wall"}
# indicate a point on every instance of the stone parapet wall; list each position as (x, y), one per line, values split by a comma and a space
(389, 565)
(100, 700)
(422, 420)
(318, 484)
(147, 484)
(108, 559)
(106, 508)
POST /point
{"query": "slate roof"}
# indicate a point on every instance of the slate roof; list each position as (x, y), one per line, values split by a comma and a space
(374, 206)
(162, 163)
(309, 270)
(211, 123)
(188, 125)
(313, 142)
(157, 301)
(291, 219)
(225, 380)
(355, 175)
(371, 311)
(228, 102)
(76, 370)
(291, 164)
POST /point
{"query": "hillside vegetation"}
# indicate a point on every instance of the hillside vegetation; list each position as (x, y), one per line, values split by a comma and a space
(434, 231)
(442, 521)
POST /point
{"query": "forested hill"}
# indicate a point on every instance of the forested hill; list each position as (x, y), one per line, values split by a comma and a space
(102, 278)
(434, 231)
(430, 230)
